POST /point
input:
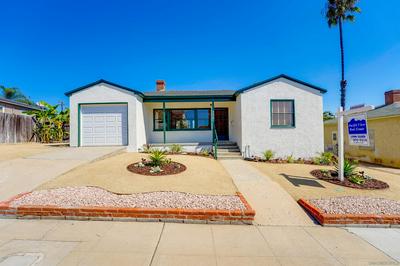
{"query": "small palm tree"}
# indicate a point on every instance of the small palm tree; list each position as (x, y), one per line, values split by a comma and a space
(14, 94)
(338, 11)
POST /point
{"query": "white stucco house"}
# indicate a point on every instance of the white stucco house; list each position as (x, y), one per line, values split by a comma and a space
(282, 114)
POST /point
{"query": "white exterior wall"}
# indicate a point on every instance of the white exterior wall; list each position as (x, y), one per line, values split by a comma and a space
(237, 121)
(187, 136)
(305, 140)
(104, 93)
(140, 126)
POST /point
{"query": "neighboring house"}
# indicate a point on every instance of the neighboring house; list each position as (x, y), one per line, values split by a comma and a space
(384, 132)
(14, 107)
(282, 114)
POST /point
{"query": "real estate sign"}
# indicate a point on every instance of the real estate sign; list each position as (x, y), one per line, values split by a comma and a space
(358, 130)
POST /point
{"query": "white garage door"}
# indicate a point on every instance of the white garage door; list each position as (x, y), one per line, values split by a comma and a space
(104, 124)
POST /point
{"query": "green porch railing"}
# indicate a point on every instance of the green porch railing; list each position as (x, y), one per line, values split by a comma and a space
(215, 143)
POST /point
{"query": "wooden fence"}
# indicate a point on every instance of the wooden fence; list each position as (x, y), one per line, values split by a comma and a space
(16, 128)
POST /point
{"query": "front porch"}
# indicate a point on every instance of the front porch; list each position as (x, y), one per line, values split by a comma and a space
(195, 125)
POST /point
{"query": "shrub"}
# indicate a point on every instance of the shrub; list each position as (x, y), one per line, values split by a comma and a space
(205, 152)
(356, 179)
(325, 158)
(155, 169)
(157, 157)
(146, 148)
(290, 159)
(176, 148)
(268, 154)
(349, 167)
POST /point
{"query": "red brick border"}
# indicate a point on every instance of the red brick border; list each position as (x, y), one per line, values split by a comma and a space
(348, 219)
(152, 214)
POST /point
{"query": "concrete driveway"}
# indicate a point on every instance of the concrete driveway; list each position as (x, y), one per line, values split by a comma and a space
(25, 172)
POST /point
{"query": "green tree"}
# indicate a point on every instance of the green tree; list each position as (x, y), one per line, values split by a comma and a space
(50, 123)
(328, 115)
(337, 12)
(14, 94)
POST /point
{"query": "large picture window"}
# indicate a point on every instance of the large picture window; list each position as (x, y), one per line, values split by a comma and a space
(183, 119)
(282, 113)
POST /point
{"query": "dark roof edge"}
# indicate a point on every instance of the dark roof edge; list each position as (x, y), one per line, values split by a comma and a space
(68, 93)
(16, 103)
(170, 96)
(188, 97)
(278, 77)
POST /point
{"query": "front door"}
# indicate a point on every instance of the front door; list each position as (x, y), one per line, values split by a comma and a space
(222, 123)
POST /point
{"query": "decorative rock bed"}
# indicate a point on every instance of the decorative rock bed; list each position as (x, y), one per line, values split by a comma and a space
(97, 197)
(331, 178)
(357, 205)
(90, 203)
(352, 210)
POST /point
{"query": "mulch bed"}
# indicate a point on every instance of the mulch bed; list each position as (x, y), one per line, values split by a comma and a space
(279, 160)
(172, 168)
(369, 184)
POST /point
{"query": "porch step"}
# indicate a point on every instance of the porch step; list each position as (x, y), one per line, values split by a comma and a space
(228, 150)
(229, 156)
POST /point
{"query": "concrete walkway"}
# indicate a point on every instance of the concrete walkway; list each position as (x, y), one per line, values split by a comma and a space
(273, 205)
(25, 173)
(386, 239)
(51, 242)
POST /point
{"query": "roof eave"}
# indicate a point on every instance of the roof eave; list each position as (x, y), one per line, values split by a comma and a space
(278, 77)
(19, 104)
(194, 98)
(69, 93)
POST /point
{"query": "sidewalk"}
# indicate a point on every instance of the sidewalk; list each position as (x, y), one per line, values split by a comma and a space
(51, 242)
(273, 205)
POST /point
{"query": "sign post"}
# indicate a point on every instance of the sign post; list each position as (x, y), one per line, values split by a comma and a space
(357, 129)
(340, 144)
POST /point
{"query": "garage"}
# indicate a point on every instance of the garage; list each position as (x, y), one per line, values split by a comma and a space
(104, 125)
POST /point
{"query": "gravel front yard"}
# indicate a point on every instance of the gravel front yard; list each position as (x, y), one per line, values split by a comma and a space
(357, 205)
(97, 197)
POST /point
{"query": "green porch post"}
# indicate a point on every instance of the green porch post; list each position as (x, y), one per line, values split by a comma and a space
(164, 124)
(212, 121)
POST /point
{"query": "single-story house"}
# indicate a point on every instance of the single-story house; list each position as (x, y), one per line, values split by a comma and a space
(282, 114)
(13, 107)
(384, 133)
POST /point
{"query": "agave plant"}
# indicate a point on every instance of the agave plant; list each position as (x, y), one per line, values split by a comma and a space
(268, 154)
(157, 157)
(349, 167)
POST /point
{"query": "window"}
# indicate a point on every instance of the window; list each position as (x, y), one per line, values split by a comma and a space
(2, 109)
(158, 119)
(334, 137)
(183, 119)
(282, 113)
(203, 118)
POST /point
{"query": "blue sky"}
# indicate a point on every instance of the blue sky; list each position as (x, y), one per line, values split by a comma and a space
(49, 47)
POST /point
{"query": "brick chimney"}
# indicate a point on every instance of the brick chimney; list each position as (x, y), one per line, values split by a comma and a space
(392, 96)
(160, 85)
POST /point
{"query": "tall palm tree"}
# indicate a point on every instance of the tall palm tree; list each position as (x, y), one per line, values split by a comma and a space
(337, 12)
(14, 94)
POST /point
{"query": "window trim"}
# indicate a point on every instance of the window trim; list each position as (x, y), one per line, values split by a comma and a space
(168, 119)
(294, 113)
